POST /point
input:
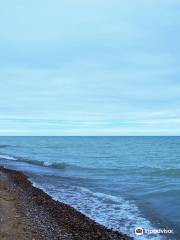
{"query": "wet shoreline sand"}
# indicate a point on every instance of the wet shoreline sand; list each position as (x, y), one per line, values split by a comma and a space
(29, 213)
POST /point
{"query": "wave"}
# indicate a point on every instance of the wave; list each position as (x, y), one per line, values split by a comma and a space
(63, 165)
(42, 163)
(59, 165)
(111, 211)
(151, 171)
(7, 157)
(168, 172)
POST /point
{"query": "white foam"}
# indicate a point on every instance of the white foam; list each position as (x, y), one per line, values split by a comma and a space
(47, 164)
(7, 157)
(110, 211)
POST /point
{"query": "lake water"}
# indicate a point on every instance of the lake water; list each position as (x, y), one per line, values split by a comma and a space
(121, 182)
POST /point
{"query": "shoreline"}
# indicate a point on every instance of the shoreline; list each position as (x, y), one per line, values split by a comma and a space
(36, 215)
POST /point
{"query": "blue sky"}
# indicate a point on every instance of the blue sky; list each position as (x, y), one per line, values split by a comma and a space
(89, 67)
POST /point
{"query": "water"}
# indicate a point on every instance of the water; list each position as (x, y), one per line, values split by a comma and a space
(121, 182)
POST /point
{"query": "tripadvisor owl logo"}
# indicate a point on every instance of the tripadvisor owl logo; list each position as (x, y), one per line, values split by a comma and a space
(139, 231)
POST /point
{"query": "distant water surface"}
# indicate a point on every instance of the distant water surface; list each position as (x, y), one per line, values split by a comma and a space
(121, 182)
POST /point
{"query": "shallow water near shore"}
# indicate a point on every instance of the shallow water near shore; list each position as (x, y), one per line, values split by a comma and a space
(121, 182)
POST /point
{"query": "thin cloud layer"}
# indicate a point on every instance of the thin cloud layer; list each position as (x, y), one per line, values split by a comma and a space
(89, 67)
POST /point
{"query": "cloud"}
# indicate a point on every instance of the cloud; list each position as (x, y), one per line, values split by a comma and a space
(89, 67)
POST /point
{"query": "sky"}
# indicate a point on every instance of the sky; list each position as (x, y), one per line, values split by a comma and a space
(89, 67)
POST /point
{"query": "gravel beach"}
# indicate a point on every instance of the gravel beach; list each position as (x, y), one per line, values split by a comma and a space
(27, 212)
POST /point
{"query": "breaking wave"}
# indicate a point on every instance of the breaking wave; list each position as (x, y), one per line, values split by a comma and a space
(58, 165)
(7, 157)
